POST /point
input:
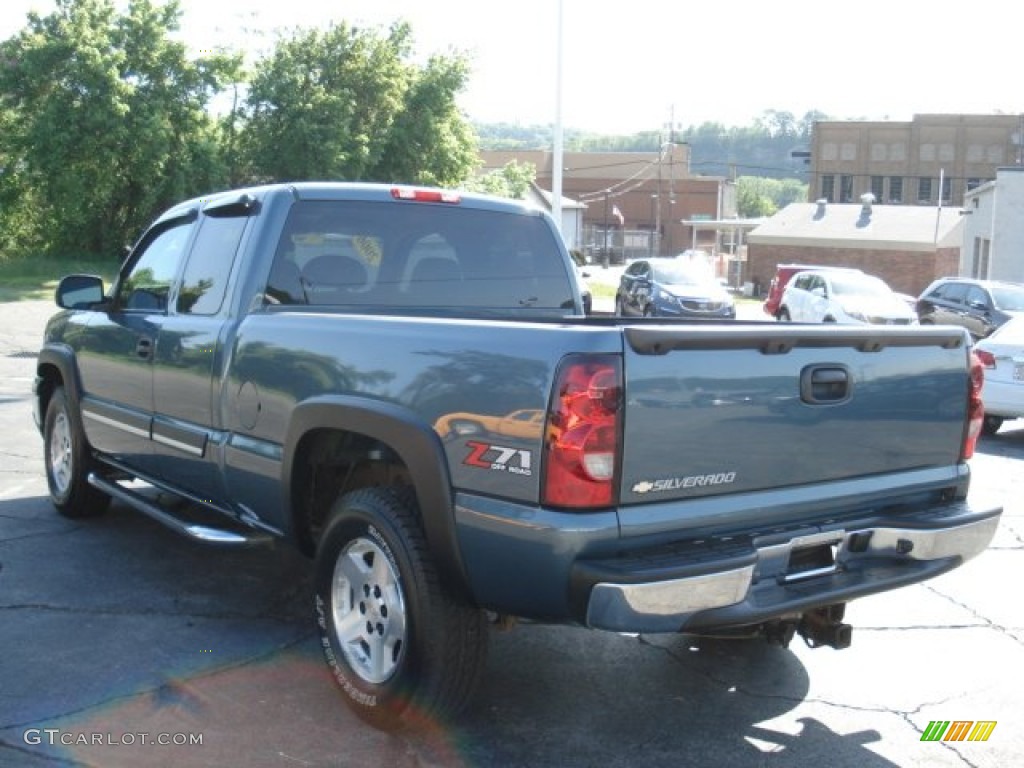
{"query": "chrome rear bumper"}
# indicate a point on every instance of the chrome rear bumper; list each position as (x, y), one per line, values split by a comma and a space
(763, 584)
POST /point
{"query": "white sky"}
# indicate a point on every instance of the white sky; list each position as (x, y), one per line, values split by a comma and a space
(632, 66)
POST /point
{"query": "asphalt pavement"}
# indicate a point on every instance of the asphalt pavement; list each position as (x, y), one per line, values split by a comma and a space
(117, 634)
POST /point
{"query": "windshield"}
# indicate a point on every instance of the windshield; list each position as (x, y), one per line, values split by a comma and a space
(683, 274)
(859, 285)
(1009, 297)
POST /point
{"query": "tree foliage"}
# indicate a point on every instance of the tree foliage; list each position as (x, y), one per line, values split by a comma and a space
(105, 122)
(346, 104)
(512, 180)
(760, 196)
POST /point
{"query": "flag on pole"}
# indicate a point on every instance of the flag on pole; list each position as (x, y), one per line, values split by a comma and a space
(618, 215)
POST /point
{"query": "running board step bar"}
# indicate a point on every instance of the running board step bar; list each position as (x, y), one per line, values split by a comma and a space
(203, 533)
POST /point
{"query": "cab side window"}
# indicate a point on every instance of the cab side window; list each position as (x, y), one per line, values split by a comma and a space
(148, 283)
(205, 281)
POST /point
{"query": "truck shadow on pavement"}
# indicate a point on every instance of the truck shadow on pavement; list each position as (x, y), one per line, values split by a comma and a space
(117, 626)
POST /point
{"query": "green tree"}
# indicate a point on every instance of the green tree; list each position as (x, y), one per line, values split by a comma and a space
(512, 180)
(754, 196)
(106, 122)
(346, 104)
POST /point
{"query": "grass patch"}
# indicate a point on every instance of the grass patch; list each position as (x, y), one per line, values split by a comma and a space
(24, 279)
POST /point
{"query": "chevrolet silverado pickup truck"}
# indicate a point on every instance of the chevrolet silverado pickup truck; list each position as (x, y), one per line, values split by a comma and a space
(345, 366)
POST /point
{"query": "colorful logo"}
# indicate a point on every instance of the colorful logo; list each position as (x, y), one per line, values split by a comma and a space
(958, 730)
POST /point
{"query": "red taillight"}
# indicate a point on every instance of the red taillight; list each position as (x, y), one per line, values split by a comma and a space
(975, 408)
(987, 358)
(581, 445)
(425, 195)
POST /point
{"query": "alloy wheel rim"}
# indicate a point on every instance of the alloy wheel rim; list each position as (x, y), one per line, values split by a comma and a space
(368, 609)
(60, 453)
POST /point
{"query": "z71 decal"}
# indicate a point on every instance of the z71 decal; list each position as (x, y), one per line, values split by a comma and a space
(497, 457)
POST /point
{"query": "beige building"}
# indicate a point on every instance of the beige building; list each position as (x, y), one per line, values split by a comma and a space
(930, 158)
(640, 202)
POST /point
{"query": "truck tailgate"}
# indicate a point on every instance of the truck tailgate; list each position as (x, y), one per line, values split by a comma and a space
(732, 409)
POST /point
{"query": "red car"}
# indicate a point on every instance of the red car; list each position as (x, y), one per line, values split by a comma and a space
(778, 284)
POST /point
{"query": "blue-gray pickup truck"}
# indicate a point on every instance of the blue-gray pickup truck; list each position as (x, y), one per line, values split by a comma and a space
(404, 384)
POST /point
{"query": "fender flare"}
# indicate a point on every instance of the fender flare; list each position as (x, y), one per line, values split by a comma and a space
(61, 357)
(416, 444)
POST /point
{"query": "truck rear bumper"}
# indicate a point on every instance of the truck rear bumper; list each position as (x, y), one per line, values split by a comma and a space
(769, 577)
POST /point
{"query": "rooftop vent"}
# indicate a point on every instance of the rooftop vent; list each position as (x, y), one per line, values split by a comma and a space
(866, 201)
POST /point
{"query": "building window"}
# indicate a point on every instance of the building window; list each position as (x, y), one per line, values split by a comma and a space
(924, 190)
(974, 183)
(979, 262)
(878, 188)
(846, 189)
(947, 189)
(828, 188)
(896, 189)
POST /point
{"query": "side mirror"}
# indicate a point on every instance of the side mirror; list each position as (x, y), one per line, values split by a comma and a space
(79, 291)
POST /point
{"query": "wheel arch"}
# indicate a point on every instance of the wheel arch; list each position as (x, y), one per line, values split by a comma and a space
(55, 367)
(377, 431)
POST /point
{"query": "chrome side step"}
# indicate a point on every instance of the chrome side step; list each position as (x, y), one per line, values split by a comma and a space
(203, 533)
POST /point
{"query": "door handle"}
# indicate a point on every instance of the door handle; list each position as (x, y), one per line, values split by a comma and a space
(144, 347)
(825, 384)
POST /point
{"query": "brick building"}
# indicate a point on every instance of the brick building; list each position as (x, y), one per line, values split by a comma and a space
(653, 192)
(907, 246)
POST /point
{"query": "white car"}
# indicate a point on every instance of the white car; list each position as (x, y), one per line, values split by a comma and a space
(1002, 354)
(833, 296)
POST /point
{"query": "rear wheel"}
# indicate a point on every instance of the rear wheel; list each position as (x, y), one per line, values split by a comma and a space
(68, 462)
(991, 424)
(649, 311)
(783, 316)
(400, 644)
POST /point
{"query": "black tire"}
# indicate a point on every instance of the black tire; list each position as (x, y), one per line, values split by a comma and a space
(649, 311)
(991, 424)
(400, 645)
(618, 306)
(68, 461)
(783, 316)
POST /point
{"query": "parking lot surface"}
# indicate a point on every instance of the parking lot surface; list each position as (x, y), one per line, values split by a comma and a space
(122, 644)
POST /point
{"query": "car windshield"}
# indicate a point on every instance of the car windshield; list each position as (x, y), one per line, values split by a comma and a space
(1009, 297)
(859, 285)
(683, 274)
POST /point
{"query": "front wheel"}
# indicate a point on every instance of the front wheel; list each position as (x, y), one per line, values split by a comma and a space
(68, 462)
(399, 643)
(783, 316)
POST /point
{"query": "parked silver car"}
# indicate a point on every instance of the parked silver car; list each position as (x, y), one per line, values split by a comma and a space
(1002, 354)
(831, 296)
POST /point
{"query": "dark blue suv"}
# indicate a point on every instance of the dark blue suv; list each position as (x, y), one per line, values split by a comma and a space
(980, 306)
(671, 288)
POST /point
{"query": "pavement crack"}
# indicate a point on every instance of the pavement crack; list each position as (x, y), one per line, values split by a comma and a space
(57, 532)
(23, 750)
(986, 622)
(168, 688)
(739, 689)
(217, 616)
